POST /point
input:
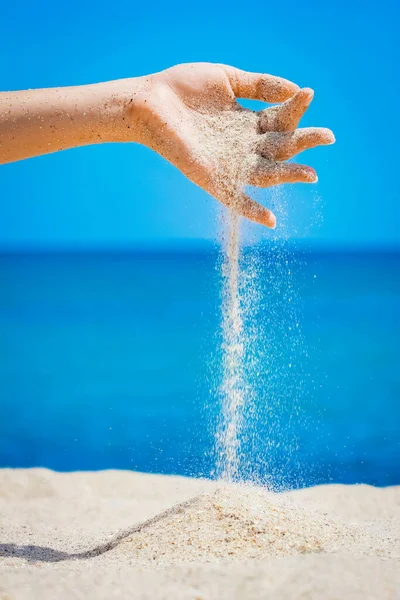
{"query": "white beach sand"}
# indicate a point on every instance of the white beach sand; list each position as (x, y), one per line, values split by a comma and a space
(85, 535)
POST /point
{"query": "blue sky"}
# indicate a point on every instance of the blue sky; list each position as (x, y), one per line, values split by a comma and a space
(123, 195)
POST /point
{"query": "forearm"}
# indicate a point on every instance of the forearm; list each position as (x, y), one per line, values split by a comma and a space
(35, 122)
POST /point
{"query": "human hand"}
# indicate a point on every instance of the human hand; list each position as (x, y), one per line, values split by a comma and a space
(189, 115)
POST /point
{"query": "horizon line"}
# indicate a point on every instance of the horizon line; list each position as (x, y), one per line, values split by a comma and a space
(294, 245)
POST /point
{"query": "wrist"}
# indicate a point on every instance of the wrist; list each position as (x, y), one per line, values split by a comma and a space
(124, 104)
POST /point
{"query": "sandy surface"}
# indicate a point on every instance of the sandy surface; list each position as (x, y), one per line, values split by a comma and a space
(127, 535)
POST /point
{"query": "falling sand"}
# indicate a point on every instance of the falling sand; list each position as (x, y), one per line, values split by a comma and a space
(232, 391)
(231, 144)
(228, 143)
(235, 145)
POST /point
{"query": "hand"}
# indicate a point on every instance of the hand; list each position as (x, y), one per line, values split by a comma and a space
(190, 116)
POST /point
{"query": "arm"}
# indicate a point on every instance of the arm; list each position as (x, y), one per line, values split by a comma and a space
(36, 122)
(189, 115)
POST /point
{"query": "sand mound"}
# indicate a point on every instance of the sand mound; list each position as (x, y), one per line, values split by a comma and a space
(58, 539)
(247, 523)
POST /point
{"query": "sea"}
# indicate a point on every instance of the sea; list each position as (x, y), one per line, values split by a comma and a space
(114, 361)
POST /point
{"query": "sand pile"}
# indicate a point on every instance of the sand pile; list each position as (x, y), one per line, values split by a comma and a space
(244, 523)
(85, 536)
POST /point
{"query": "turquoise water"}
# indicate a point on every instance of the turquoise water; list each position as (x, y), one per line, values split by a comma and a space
(113, 361)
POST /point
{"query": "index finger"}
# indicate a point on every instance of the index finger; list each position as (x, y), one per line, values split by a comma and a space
(259, 86)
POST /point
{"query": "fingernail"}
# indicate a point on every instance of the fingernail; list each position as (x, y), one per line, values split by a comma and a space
(311, 175)
(309, 95)
(270, 220)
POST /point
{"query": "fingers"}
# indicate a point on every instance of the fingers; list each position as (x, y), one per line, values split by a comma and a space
(267, 174)
(249, 208)
(286, 117)
(303, 139)
(271, 173)
(281, 146)
(258, 86)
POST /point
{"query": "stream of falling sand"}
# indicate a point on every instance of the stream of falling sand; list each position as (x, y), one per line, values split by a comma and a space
(232, 389)
(264, 360)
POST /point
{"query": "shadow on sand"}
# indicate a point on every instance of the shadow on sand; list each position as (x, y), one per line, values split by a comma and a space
(34, 554)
